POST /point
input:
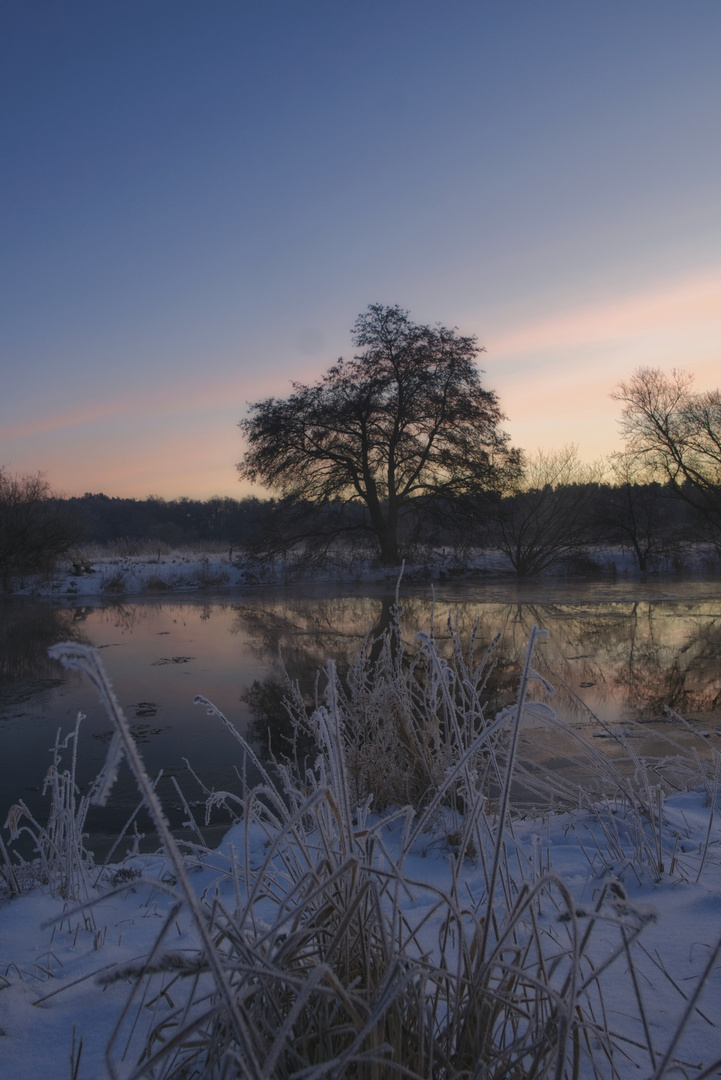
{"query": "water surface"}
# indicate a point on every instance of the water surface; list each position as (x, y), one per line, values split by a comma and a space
(616, 649)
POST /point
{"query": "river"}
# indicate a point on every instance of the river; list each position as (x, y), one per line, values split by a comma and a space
(615, 648)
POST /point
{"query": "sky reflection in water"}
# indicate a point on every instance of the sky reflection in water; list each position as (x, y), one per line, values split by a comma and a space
(624, 649)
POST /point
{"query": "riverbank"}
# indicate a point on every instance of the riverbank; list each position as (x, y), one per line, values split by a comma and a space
(578, 939)
(66, 973)
(145, 570)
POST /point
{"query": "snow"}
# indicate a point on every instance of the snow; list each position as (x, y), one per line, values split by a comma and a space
(188, 570)
(52, 952)
(643, 888)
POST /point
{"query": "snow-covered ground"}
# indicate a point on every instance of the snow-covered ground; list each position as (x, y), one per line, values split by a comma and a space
(600, 923)
(54, 955)
(97, 574)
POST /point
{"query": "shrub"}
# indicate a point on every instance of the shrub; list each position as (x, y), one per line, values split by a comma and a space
(115, 580)
(35, 530)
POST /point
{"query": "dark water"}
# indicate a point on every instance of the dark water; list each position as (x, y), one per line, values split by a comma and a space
(624, 649)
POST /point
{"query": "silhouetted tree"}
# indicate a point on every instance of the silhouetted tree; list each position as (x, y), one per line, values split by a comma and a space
(404, 423)
(547, 517)
(643, 517)
(676, 434)
(35, 530)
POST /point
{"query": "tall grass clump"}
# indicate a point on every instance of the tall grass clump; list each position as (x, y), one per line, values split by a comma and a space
(55, 855)
(320, 951)
(405, 718)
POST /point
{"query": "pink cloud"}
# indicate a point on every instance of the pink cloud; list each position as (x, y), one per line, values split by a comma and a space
(687, 302)
(563, 368)
(157, 401)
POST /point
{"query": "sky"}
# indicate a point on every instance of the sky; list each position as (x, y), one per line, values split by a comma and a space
(198, 198)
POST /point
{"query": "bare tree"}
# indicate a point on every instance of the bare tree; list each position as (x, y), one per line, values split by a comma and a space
(405, 423)
(639, 515)
(34, 529)
(546, 518)
(676, 435)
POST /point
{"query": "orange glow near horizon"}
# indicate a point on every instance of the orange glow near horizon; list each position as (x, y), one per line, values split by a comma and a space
(553, 376)
(560, 371)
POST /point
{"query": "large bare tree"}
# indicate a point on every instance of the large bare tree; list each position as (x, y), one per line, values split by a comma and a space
(676, 434)
(404, 423)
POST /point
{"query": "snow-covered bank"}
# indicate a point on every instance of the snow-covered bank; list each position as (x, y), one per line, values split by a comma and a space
(579, 940)
(96, 574)
(55, 961)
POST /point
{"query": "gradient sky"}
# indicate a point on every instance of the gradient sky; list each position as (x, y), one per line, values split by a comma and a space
(198, 198)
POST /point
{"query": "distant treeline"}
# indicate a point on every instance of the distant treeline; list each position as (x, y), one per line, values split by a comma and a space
(543, 525)
(534, 528)
(104, 518)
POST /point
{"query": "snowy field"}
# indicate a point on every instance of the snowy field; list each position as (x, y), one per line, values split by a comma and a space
(324, 937)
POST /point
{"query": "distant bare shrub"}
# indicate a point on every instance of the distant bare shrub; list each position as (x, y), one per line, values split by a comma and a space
(641, 516)
(128, 548)
(35, 530)
(157, 583)
(115, 580)
(545, 520)
(209, 577)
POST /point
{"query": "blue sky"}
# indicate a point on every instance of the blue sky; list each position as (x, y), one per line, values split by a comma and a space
(199, 198)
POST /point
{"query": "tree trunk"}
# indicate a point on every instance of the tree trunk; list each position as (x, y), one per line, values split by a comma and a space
(385, 526)
(388, 540)
(389, 549)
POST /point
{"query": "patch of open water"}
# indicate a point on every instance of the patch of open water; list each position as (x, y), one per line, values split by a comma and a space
(621, 648)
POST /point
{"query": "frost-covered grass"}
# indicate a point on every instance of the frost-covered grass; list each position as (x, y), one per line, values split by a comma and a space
(384, 906)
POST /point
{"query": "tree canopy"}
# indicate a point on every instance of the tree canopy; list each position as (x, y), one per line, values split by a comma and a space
(676, 434)
(404, 422)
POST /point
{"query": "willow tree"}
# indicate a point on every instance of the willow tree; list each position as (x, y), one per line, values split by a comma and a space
(403, 424)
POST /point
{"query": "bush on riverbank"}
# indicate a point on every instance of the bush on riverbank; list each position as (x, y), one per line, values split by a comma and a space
(36, 529)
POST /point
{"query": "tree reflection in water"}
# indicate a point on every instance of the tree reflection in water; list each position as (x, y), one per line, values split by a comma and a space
(627, 654)
(621, 659)
(27, 630)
